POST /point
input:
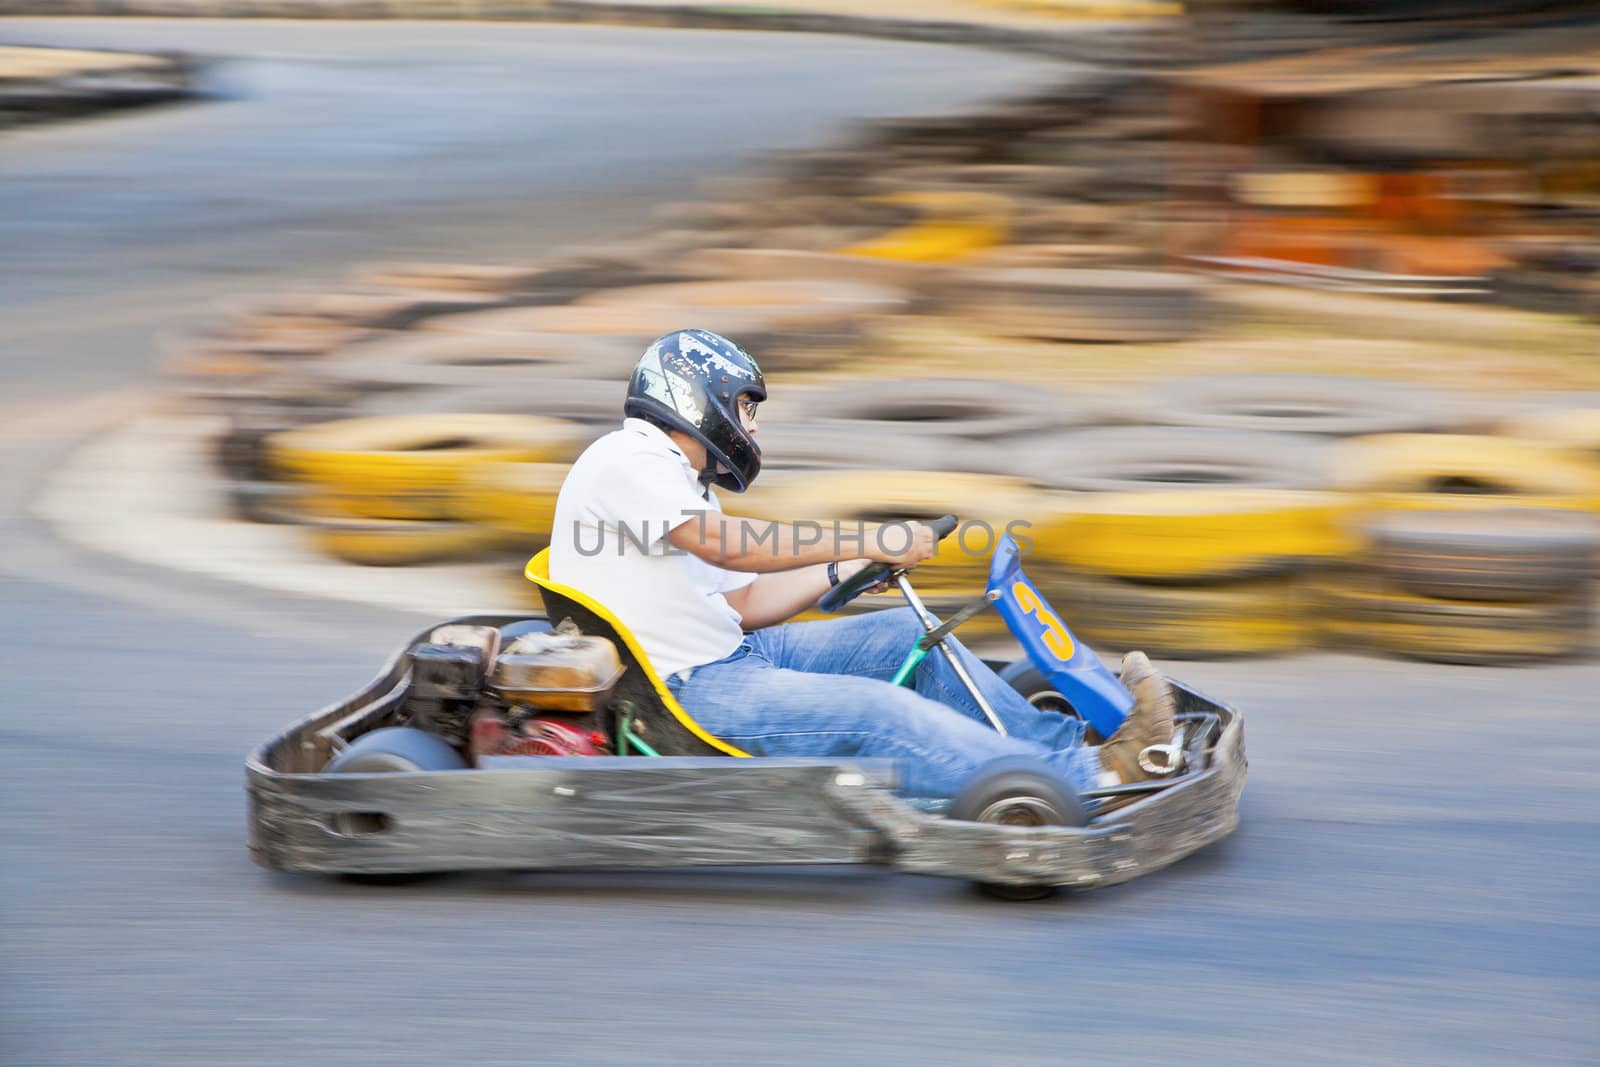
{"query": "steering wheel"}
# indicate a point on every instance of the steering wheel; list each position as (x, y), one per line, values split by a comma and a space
(873, 573)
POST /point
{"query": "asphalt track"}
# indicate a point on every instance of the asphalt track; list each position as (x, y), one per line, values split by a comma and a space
(1414, 880)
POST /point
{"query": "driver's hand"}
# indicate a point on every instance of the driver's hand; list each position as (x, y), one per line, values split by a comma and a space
(885, 540)
(850, 568)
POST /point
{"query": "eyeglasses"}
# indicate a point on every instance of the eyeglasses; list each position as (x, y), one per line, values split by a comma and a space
(748, 406)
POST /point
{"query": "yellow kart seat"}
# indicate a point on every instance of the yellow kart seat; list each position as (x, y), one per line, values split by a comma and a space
(658, 717)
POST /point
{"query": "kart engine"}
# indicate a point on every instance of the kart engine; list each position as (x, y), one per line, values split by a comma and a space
(522, 732)
(542, 697)
(446, 686)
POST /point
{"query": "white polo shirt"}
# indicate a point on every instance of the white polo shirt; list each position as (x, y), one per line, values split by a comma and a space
(620, 500)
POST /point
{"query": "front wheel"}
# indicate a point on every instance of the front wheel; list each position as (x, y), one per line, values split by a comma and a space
(1018, 791)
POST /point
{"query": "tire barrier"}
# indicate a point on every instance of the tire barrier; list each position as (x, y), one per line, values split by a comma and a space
(961, 408)
(1320, 189)
(807, 301)
(1196, 534)
(641, 324)
(272, 503)
(201, 367)
(449, 277)
(240, 452)
(839, 444)
(253, 411)
(956, 225)
(1142, 459)
(1195, 537)
(1517, 555)
(948, 347)
(1365, 614)
(460, 361)
(987, 505)
(1059, 254)
(555, 282)
(1430, 472)
(1261, 617)
(409, 468)
(231, 348)
(513, 498)
(399, 542)
(792, 338)
(984, 628)
(377, 309)
(796, 324)
(234, 384)
(589, 404)
(1298, 403)
(1080, 305)
(787, 264)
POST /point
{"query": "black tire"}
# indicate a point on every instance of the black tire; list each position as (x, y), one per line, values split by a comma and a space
(1139, 459)
(391, 750)
(274, 503)
(1514, 555)
(1331, 405)
(450, 361)
(839, 444)
(575, 399)
(1365, 613)
(1028, 680)
(1082, 305)
(974, 409)
(1018, 791)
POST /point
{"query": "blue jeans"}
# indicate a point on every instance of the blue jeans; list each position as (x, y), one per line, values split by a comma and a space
(823, 689)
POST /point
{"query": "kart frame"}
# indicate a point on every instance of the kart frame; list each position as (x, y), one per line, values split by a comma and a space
(529, 813)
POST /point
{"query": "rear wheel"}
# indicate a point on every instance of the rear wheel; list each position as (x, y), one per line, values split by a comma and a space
(1018, 791)
(393, 750)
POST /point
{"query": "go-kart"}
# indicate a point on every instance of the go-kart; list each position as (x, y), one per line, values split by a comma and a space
(439, 764)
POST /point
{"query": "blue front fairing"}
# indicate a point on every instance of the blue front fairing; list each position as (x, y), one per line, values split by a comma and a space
(1071, 667)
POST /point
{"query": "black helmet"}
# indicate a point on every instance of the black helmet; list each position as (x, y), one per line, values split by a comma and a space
(690, 381)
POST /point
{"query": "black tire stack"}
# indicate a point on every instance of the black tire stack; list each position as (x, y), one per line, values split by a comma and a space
(1470, 587)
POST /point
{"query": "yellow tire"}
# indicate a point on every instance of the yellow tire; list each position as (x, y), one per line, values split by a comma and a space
(1326, 189)
(516, 498)
(986, 628)
(400, 542)
(956, 225)
(1450, 472)
(1249, 618)
(1198, 534)
(1367, 614)
(410, 467)
(985, 504)
(769, 499)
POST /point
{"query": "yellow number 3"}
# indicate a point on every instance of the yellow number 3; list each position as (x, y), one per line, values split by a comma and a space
(1056, 638)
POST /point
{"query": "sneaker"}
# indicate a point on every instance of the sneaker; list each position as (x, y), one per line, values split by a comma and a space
(1151, 722)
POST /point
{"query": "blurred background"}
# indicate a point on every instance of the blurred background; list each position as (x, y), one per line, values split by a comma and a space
(1278, 322)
